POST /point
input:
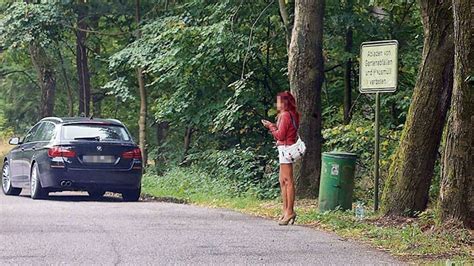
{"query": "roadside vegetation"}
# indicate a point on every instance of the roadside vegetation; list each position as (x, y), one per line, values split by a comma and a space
(4, 148)
(421, 239)
(5, 134)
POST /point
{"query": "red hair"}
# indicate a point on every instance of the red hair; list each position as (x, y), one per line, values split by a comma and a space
(290, 104)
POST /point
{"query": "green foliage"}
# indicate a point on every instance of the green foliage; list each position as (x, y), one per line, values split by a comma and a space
(188, 184)
(52, 26)
(241, 167)
(25, 23)
(21, 25)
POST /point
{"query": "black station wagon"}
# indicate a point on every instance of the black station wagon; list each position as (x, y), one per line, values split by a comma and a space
(69, 154)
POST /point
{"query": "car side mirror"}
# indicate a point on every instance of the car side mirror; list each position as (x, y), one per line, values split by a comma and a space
(15, 141)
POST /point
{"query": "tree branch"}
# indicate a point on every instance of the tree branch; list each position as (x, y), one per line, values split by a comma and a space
(286, 22)
(333, 67)
(22, 72)
(250, 38)
(98, 32)
(234, 15)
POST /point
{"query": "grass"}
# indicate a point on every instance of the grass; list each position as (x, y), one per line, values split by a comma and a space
(416, 240)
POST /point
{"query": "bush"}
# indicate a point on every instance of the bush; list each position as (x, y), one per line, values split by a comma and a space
(359, 138)
(248, 171)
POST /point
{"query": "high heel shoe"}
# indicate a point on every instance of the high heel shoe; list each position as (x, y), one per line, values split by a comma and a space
(290, 220)
(293, 220)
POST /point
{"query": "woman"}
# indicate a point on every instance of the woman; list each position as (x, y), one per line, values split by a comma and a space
(285, 133)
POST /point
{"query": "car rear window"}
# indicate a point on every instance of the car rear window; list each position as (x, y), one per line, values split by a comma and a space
(91, 131)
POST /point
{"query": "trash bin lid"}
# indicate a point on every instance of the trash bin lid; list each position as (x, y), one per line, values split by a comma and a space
(340, 155)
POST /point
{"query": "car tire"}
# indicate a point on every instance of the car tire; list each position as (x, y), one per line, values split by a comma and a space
(96, 193)
(131, 195)
(7, 187)
(37, 191)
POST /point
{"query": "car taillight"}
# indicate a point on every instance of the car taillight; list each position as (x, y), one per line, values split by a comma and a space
(61, 152)
(133, 154)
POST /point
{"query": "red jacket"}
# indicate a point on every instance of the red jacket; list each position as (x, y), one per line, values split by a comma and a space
(284, 131)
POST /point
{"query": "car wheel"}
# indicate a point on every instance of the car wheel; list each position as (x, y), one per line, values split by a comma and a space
(96, 193)
(37, 192)
(7, 187)
(131, 195)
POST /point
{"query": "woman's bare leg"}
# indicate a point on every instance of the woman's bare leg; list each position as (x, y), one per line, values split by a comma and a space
(283, 190)
(286, 171)
(290, 191)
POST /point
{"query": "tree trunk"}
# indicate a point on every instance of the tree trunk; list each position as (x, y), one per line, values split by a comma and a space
(161, 134)
(143, 100)
(46, 78)
(348, 79)
(348, 67)
(457, 183)
(84, 90)
(97, 94)
(187, 142)
(97, 103)
(70, 97)
(406, 189)
(286, 22)
(306, 72)
(143, 114)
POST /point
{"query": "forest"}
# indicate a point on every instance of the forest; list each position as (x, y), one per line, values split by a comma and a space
(192, 79)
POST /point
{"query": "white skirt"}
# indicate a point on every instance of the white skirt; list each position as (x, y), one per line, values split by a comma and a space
(282, 159)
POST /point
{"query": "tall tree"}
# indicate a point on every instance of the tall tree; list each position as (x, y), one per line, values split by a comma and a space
(306, 72)
(348, 67)
(46, 78)
(83, 74)
(188, 133)
(33, 26)
(143, 98)
(285, 18)
(457, 185)
(161, 134)
(407, 187)
(70, 96)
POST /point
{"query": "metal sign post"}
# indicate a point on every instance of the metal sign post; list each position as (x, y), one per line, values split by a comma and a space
(377, 149)
(378, 73)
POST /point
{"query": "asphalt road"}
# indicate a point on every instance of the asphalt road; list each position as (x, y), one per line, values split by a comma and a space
(71, 229)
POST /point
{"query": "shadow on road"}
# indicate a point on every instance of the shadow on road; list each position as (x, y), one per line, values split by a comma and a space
(109, 197)
(76, 197)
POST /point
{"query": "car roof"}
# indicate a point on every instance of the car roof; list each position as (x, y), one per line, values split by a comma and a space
(82, 120)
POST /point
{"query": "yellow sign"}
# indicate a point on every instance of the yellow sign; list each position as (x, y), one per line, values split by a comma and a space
(378, 66)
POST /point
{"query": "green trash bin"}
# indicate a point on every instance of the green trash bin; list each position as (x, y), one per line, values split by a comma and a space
(337, 181)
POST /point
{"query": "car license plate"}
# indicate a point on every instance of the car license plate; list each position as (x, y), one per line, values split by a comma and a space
(98, 159)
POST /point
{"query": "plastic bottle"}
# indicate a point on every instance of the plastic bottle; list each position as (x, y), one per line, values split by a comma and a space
(359, 211)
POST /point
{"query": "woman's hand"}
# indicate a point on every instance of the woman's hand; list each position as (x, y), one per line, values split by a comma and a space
(266, 123)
